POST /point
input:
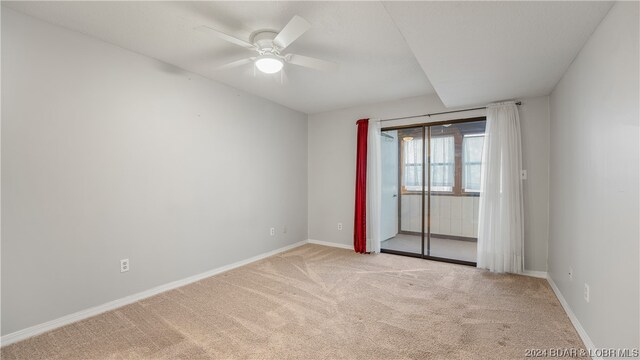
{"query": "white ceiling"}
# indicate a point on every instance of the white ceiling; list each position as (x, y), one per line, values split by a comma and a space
(479, 52)
(472, 52)
(375, 62)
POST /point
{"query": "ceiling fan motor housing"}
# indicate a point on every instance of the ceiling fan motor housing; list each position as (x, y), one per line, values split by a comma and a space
(263, 40)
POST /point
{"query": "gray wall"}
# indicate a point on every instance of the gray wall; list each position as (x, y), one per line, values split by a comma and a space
(107, 155)
(594, 207)
(332, 153)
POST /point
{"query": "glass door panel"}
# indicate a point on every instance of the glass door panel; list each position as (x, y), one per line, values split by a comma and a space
(454, 156)
(390, 186)
(404, 148)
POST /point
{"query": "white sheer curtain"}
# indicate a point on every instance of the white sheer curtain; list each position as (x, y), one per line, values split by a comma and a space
(442, 163)
(412, 174)
(472, 161)
(374, 187)
(500, 223)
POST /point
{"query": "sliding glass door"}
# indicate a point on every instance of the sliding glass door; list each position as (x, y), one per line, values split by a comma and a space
(437, 205)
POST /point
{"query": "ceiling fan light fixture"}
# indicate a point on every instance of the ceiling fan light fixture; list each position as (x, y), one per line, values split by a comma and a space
(269, 64)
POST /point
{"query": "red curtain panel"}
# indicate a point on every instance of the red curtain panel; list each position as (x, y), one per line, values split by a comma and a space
(360, 222)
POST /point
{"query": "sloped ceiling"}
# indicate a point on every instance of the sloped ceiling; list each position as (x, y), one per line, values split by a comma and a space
(479, 52)
(375, 62)
(472, 53)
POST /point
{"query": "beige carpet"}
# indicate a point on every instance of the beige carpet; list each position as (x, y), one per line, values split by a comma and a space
(316, 302)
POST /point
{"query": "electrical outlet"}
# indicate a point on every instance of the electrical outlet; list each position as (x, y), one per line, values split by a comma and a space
(586, 292)
(339, 226)
(272, 231)
(570, 274)
(124, 265)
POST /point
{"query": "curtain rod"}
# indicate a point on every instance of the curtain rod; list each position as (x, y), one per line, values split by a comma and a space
(439, 113)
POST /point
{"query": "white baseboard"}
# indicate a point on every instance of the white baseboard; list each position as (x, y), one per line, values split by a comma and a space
(87, 313)
(574, 320)
(332, 244)
(534, 273)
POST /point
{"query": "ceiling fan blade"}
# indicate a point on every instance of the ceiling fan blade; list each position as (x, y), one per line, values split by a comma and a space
(226, 37)
(312, 63)
(293, 30)
(235, 63)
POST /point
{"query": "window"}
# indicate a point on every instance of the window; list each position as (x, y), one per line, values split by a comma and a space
(455, 161)
(442, 163)
(471, 162)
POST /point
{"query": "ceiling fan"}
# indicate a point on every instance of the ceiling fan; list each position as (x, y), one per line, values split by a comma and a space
(269, 46)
